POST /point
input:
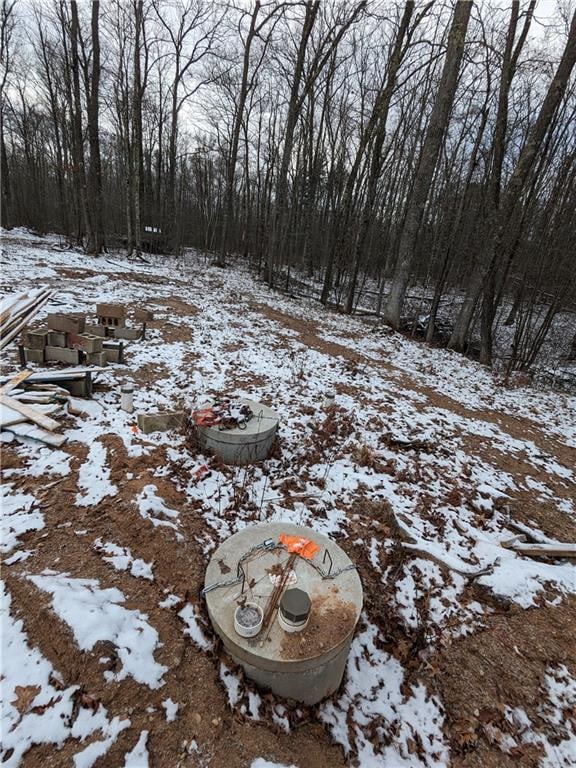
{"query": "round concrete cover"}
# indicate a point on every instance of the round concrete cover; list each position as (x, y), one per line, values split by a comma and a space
(263, 421)
(295, 605)
(335, 603)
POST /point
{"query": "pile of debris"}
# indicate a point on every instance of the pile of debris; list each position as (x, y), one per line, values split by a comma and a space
(17, 311)
(223, 414)
(30, 401)
(70, 339)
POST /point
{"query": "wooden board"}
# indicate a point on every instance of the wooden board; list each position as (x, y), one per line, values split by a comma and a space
(36, 433)
(546, 550)
(32, 414)
(9, 416)
(13, 383)
(59, 375)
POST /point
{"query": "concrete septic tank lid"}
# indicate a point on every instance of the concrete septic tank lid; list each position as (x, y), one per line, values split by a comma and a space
(335, 603)
(245, 444)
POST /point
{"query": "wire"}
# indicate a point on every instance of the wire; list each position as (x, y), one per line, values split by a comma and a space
(270, 545)
(267, 545)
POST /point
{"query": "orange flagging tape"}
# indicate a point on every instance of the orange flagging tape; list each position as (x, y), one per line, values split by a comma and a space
(304, 547)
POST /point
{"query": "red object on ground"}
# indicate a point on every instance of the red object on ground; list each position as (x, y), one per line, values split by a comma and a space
(205, 417)
(301, 546)
(201, 472)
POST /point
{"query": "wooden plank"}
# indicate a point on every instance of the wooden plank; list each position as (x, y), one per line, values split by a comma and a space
(9, 416)
(561, 549)
(32, 414)
(22, 322)
(77, 372)
(36, 433)
(13, 383)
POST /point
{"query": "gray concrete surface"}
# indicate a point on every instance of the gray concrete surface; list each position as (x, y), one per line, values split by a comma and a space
(307, 666)
(243, 446)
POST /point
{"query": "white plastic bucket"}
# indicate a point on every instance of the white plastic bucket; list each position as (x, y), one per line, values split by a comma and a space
(253, 629)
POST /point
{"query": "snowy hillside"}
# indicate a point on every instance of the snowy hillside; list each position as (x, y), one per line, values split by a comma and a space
(423, 467)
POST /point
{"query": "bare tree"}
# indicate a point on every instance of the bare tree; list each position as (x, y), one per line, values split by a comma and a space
(7, 26)
(427, 162)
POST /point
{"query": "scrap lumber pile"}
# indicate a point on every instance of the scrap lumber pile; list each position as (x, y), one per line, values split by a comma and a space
(76, 381)
(29, 402)
(553, 549)
(16, 312)
(29, 413)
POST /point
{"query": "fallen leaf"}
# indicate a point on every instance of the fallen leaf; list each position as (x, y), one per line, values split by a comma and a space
(25, 694)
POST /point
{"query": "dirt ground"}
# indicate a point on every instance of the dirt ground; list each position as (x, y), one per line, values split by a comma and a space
(475, 677)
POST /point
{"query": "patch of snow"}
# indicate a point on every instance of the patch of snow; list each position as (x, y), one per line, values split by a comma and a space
(190, 616)
(521, 579)
(47, 718)
(151, 506)
(94, 614)
(19, 557)
(374, 702)
(231, 683)
(171, 708)
(94, 477)
(169, 601)
(138, 756)
(122, 560)
(19, 515)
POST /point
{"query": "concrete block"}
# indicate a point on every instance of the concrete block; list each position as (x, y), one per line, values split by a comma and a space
(34, 355)
(86, 342)
(67, 323)
(57, 339)
(111, 322)
(113, 352)
(96, 330)
(35, 339)
(77, 387)
(143, 316)
(161, 422)
(63, 355)
(128, 334)
(96, 358)
(111, 310)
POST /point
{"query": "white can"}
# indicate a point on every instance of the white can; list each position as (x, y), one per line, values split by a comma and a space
(248, 619)
(127, 398)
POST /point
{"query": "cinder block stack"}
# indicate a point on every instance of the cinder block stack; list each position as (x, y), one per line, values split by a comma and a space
(69, 339)
(112, 323)
(65, 340)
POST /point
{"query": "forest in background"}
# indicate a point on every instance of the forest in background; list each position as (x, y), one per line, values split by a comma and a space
(361, 151)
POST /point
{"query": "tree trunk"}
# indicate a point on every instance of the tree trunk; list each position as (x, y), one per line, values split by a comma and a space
(519, 178)
(137, 168)
(277, 232)
(96, 243)
(228, 217)
(427, 162)
(382, 107)
(83, 224)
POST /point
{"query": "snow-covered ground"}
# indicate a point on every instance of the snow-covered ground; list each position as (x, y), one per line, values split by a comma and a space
(421, 469)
